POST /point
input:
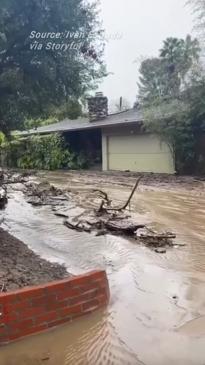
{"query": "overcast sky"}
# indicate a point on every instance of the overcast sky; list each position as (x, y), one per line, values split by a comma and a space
(142, 26)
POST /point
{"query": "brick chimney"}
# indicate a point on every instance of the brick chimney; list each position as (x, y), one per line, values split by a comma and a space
(97, 107)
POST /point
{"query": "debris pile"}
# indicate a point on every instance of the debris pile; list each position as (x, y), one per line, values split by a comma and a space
(43, 194)
(98, 215)
(108, 219)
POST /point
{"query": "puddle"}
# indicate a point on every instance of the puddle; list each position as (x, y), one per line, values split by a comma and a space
(157, 309)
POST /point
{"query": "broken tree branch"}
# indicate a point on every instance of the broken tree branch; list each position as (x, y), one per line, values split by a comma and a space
(103, 209)
(131, 195)
(103, 194)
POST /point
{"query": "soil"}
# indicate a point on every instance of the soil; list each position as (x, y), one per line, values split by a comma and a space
(20, 267)
(149, 181)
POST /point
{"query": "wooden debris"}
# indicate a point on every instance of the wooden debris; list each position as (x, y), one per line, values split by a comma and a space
(73, 226)
(126, 227)
(161, 250)
(102, 209)
(155, 239)
(108, 219)
(3, 197)
(61, 215)
(79, 226)
(158, 236)
(131, 195)
(3, 288)
(101, 232)
(103, 195)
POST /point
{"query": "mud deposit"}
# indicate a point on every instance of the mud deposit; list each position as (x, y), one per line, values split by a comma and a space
(157, 309)
(19, 266)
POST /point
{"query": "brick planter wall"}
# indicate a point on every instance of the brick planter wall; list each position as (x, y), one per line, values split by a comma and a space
(35, 309)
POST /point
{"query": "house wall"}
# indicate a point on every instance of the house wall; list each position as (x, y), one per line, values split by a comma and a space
(129, 149)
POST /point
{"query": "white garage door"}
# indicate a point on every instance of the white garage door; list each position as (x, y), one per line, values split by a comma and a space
(140, 153)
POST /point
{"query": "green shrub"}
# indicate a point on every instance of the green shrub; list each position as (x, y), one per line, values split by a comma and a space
(43, 153)
(2, 138)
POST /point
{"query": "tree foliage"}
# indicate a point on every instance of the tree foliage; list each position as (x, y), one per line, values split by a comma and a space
(153, 80)
(198, 7)
(71, 109)
(172, 98)
(34, 82)
(2, 138)
(170, 121)
(41, 152)
(166, 76)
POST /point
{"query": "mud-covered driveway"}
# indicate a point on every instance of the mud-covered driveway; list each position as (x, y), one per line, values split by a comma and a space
(157, 311)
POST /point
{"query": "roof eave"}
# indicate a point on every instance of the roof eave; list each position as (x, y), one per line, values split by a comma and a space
(64, 130)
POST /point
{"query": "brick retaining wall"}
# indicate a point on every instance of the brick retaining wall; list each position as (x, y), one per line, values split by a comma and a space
(35, 309)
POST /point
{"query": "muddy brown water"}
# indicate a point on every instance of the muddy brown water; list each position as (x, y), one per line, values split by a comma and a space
(156, 314)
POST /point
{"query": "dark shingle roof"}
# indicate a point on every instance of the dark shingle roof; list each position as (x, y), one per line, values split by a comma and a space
(122, 118)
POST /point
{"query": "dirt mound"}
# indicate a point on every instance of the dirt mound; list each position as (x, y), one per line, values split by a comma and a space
(20, 267)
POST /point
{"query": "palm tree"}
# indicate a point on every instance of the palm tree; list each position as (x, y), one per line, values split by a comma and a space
(171, 49)
(178, 56)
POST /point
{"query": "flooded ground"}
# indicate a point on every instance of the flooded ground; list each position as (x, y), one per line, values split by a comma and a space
(156, 314)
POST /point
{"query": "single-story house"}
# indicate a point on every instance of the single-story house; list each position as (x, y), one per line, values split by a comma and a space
(123, 143)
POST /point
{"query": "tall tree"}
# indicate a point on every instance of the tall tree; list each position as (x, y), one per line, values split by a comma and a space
(176, 113)
(35, 78)
(152, 80)
(198, 7)
(178, 56)
(165, 77)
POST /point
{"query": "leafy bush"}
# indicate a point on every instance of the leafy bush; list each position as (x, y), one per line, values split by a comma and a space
(43, 153)
(78, 161)
(2, 138)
